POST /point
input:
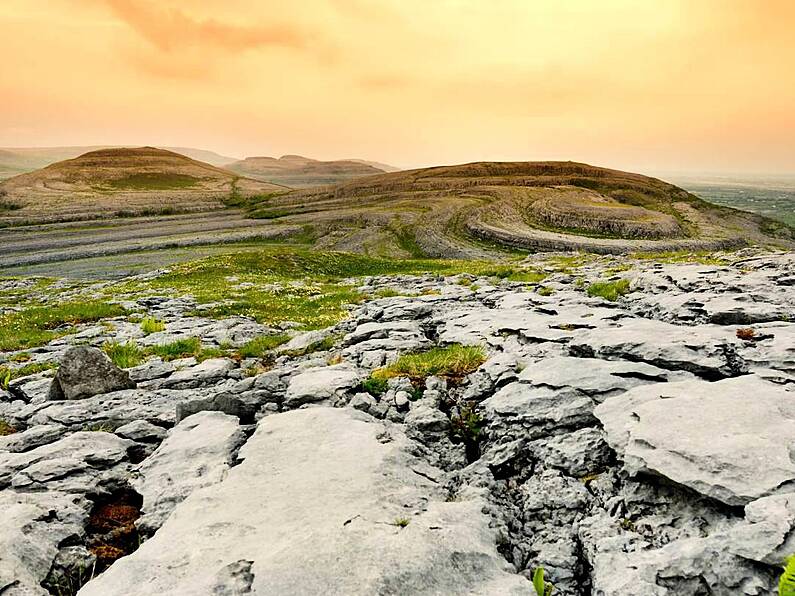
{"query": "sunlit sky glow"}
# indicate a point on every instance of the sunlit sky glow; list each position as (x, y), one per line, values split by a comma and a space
(651, 85)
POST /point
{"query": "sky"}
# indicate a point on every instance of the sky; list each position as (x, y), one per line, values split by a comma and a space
(643, 85)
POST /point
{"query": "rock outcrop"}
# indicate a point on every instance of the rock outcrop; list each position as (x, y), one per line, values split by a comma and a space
(637, 447)
(85, 372)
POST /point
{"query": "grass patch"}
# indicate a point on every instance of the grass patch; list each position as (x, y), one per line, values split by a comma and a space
(154, 181)
(609, 290)
(9, 374)
(152, 325)
(278, 284)
(455, 362)
(260, 346)
(182, 348)
(375, 387)
(41, 324)
(124, 355)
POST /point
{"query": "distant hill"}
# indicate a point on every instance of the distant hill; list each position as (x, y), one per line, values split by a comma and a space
(473, 209)
(301, 172)
(122, 181)
(15, 161)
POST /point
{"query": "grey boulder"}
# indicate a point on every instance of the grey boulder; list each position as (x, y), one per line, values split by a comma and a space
(86, 372)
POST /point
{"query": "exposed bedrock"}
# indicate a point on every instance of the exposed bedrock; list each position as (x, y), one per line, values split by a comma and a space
(637, 447)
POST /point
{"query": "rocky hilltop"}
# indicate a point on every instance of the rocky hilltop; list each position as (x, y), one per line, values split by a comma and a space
(121, 182)
(464, 211)
(626, 425)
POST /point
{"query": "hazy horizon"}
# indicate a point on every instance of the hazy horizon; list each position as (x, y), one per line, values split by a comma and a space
(659, 87)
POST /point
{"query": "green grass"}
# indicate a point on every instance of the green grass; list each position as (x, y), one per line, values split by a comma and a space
(375, 387)
(453, 361)
(609, 290)
(9, 374)
(41, 324)
(152, 325)
(124, 355)
(154, 181)
(182, 348)
(260, 346)
(295, 283)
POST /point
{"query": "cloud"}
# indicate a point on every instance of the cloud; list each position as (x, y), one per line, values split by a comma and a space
(171, 29)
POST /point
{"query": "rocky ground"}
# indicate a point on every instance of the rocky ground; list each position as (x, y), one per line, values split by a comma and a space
(643, 447)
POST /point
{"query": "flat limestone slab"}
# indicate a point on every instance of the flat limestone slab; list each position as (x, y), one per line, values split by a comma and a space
(313, 509)
(732, 440)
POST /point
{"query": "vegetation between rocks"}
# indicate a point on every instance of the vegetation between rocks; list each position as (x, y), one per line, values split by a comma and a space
(454, 361)
(609, 290)
(41, 324)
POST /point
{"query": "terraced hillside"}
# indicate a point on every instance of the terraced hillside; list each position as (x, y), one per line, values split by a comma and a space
(468, 210)
(122, 182)
(301, 172)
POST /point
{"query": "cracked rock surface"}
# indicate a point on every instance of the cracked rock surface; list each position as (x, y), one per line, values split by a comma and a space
(642, 447)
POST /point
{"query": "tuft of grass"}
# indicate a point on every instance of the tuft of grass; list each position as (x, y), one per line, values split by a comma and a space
(9, 374)
(182, 348)
(545, 291)
(401, 522)
(6, 429)
(124, 355)
(260, 346)
(375, 387)
(152, 325)
(41, 324)
(454, 361)
(609, 290)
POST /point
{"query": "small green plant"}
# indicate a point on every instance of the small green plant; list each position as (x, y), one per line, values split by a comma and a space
(454, 361)
(609, 290)
(5, 378)
(467, 425)
(375, 387)
(124, 355)
(182, 348)
(9, 374)
(401, 522)
(6, 429)
(786, 583)
(542, 587)
(545, 291)
(152, 325)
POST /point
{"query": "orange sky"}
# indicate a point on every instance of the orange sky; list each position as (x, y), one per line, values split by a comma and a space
(667, 85)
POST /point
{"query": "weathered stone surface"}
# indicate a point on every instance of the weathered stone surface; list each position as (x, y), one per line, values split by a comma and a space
(209, 372)
(319, 384)
(197, 453)
(71, 464)
(279, 538)
(85, 372)
(32, 527)
(731, 440)
(31, 438)
(142, 431)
